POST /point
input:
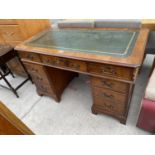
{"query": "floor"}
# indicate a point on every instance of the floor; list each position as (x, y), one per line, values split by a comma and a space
(73, 115)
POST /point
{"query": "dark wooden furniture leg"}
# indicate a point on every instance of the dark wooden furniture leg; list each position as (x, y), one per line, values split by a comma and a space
(7, 82)
(25, 70)
(10, 71)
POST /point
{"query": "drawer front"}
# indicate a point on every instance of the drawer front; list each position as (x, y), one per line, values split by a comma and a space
(40, 79)
(11, 33)
(110, 101)
(109, 106)
(30, 56)
(37, 73)
(109, 95)
(65, 63)
(7, 21)
(110, 84)
(111, 71)
(45, 89)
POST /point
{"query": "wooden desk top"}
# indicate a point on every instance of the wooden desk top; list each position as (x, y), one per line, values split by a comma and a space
(112, 46)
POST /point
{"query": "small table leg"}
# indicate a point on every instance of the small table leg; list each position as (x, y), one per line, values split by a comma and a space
(14, 91)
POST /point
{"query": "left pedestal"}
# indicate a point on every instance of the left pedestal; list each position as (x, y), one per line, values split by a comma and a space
(49, 81)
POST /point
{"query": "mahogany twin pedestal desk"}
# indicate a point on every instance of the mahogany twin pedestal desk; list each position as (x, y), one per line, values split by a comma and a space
(111, 58)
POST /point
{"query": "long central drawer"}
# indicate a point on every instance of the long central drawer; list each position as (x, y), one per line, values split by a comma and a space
(64, 63)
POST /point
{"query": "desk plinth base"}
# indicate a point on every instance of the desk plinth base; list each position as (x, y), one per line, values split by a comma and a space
(57, 98)
(98, 110)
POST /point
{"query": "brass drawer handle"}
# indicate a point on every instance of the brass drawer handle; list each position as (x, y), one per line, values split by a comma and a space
(34, 70)
(108, 96)
(75, 66)
(53, 62)
(64, 63)
(39, 78)
(109, 70)
(107, 84)
(67, 63)
(30, 56)
(57, 62)
(109, 106)
(44, 88)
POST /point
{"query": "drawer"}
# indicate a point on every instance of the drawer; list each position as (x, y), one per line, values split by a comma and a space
(37, 73)
(110, 84)
(46, 89)
(11, 33)
(65, 63)
(109, 95)
(7, 21)
(32, 68)
(125, 73)
(110, 101)
(109, 106)
(38, 79)
(30, 56)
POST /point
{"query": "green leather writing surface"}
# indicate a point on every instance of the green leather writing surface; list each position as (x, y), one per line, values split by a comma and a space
(100, 42)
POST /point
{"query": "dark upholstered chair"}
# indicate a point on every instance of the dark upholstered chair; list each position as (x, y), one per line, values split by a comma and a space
(150, 47)
(146, 119)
